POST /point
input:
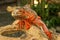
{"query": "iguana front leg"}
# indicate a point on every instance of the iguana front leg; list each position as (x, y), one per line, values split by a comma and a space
(39, 23)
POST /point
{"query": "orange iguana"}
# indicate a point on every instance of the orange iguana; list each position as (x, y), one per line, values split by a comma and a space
(26, 17)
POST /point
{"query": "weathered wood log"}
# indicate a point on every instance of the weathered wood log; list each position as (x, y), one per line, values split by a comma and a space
(32, 34)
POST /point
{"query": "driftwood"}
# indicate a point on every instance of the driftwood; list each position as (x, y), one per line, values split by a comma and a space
(32, 34)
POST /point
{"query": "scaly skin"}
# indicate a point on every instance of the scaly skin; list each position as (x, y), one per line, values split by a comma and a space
(27, 18)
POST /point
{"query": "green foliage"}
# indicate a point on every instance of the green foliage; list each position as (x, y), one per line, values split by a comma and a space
(23, 2)
(50, 17)
(53, 22)
(37, 9)
(54, 9)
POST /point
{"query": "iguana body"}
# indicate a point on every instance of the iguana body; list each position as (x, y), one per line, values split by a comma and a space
(27, 17)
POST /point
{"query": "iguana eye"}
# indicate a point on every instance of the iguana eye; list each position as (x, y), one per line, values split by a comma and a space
(23, 11)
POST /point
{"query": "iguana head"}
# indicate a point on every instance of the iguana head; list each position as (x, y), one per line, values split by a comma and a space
(15, 11)
(19, 12)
